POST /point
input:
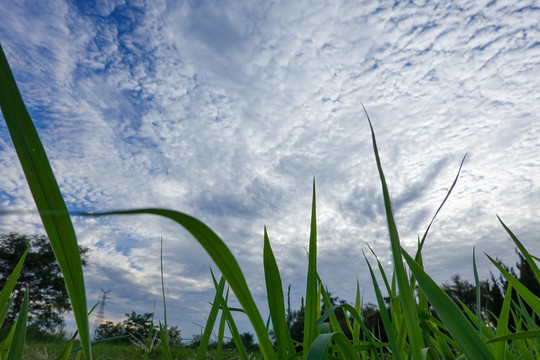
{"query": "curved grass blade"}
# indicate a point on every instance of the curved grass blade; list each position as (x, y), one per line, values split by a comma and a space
(312, 310)
(242, 353)
(320, 345)
(410, 312)
(461, 329)
(19, 335)
(224, 260)
(47, 196)
(276, 302)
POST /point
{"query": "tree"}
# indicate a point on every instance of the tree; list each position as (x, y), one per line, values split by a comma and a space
(137, 328)
(41, 274)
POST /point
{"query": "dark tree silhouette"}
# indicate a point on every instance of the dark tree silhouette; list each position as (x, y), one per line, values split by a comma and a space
(41, 274)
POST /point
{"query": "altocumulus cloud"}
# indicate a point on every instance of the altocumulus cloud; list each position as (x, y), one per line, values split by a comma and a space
(227, 112)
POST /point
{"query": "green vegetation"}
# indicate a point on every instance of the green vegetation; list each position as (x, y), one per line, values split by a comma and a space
(421, 322)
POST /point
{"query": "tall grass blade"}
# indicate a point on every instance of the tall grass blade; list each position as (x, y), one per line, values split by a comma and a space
(47, 196)
(528, 257)
(502, 324)
(5, 294)
(410, 312)
(478, 295)
(390, 333)
(19, 335)
(456, 323)
(276, 302)
(165, 342)
(312, 309)
(205, 339)
(242, 353)
(531, 334)
(521, 289)
(224, 260)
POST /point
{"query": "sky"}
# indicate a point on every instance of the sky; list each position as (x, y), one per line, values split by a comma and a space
(227, 111)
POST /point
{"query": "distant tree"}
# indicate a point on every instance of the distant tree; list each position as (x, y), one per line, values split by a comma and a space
(136, 327)
(41, 274)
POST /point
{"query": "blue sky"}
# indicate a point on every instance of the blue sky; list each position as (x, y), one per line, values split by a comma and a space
(227, 110)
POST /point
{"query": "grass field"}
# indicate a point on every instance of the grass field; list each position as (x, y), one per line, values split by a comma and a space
(421, 322)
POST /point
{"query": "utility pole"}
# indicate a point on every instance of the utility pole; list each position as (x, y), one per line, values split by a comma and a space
(101, 312)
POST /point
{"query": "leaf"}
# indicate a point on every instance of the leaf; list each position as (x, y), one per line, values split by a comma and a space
(205, 339)
(410, 312)
(19, 335)
(456, 323)
(321, 343)
(47, 196)
(5, 295)
(312, 309)
(276, 302)
(224, 260)
(521, 289)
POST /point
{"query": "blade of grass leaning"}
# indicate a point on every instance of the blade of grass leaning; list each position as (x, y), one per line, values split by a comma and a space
(521, 289)
(420, 246)
(320, 345)
(358, 307)
(19, 335)
(224, 260)
(531, 334)
(221, 335)
(47, 196)
(205, 339)
(385, 317)
(276, 301)
(312, 308)
(6, 344)
(328, 304)
(410, 312)
(528, 257)
(5, 294)
(456, 323)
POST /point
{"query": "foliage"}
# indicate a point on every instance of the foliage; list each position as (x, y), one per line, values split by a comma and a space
(48, 298)
(137, 326)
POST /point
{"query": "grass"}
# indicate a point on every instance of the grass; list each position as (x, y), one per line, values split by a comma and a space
(422, 322)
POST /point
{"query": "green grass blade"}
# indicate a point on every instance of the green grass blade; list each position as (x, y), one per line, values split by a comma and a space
(64, 355)
(205, 339)
(410, 312)
(19, 335)
(224, 260)
(47, 196)
(312, 309)
(358, 307)
(242, 353)
(390, 333)
(320, 345)
(524, 251)
(521, 289)
(165, 342)
(5, 294)
(456, 323)
(502, 324)
(276, 302)
(478, 296)
(531, 334)
(221, 334)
